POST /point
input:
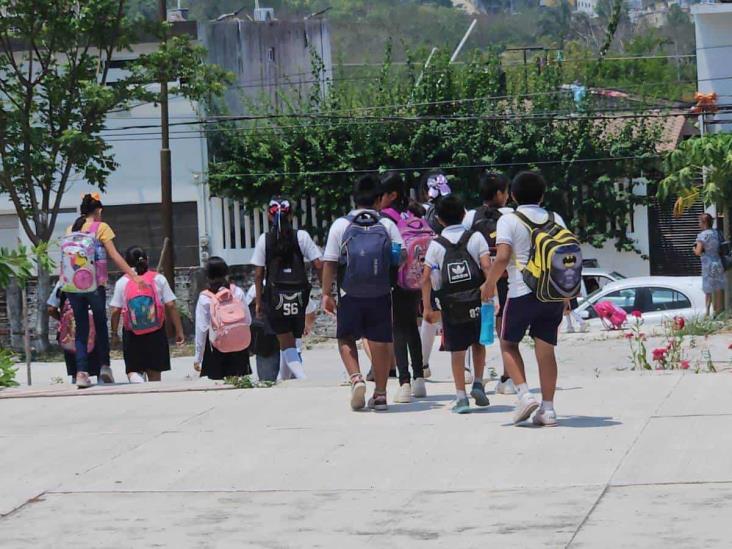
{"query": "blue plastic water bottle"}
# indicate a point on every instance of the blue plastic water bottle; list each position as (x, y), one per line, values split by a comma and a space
(396, 253)
(487, 323)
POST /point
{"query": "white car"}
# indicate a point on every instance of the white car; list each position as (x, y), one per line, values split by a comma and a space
(594, 279)
(658, 297)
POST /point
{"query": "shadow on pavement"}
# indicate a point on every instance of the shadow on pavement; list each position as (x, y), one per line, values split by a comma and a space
(575, 422)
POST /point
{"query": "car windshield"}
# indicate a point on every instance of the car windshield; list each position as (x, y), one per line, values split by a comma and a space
(617, 275)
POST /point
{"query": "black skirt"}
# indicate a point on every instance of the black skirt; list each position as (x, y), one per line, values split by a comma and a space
(146, 352)
(218, 365)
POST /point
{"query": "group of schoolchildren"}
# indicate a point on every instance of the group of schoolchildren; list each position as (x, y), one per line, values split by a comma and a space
(390, 261)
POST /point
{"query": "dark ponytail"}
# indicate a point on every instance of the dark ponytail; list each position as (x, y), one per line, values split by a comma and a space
(136, 258)
(392, 182)
(90, 203)
(283, 237)
(217, 272)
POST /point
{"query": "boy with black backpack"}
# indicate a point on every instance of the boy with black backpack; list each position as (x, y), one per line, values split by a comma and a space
(360, 249)
(494, 191)
(544, 265)
(455, 267)
(280, 255)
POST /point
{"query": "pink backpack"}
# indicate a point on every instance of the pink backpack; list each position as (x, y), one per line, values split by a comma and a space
(67, 330)
(612, 316)
(230, 320)
(143, 312)
(417, 235)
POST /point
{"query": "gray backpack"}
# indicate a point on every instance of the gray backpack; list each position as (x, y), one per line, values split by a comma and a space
(365, 257)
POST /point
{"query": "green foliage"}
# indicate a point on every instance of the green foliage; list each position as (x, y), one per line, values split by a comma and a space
(685, 166)
(246, 382)
(7, 369)
(460, 118)
(14, 263)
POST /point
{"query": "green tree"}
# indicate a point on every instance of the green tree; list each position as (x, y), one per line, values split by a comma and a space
(55, 57)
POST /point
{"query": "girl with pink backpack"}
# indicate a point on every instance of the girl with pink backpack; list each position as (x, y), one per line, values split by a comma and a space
(143, 312)
(222, 326)
(417, 236)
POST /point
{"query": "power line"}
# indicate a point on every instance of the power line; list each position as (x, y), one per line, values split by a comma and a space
(443, 167)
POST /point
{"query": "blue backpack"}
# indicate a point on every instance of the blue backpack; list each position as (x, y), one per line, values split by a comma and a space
(365, 257)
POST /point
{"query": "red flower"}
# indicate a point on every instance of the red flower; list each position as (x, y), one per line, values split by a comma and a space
(685, 364)
(628, 335)
(636, 314)
(679, 322)
(659, 354)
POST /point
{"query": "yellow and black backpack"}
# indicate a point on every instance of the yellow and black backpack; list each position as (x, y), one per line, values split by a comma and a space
(554, 269)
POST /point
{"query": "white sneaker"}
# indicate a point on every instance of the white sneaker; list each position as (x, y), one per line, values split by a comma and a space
(525, 406)
(358, 396)
(468, 377)
(106, 375)
(135, 377)
(419, 388)
(545, 418)
(427, 372)
(505, 387)
(404, 394)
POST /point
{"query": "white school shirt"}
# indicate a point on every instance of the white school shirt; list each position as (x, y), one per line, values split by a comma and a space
(512, 231)
(161, 285)
(203, 319)
(309, 249)
(477, 246)
(338, 229)
(252, 293)
(470, 217)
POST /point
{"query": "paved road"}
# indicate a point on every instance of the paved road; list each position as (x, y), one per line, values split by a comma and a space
(640, 460)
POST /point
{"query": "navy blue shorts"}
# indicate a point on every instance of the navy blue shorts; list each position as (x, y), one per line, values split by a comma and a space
(368, 317)
(542, 320)
(459, 337)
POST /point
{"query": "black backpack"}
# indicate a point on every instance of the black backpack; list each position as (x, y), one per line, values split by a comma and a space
(288, 287)
(462, 277)
(486, 222)
(431, 218)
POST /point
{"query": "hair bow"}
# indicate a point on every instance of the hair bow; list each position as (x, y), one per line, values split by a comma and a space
(437, 186)
(95, 196)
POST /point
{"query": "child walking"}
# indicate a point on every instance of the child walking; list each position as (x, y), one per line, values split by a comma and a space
(280, 256)
(143, 311)
(222, 326)
(360, 246)
(529, 307)
(494, 191)
(60, 309)
(461, 261)
(83, 273)
(406, 295)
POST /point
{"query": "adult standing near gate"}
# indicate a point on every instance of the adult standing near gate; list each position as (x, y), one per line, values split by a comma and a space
(707, 247)
(84, 252)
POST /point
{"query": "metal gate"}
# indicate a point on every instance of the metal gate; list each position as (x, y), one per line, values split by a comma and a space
(672, 239)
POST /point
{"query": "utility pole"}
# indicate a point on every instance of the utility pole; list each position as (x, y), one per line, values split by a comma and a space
(166, 183)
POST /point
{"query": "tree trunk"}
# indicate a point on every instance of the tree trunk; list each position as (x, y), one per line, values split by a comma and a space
(15, 315)
(728, 237)
(26, 336)
(43, 290)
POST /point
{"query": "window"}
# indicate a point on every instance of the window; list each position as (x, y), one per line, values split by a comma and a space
(271, 54)
(646, 300)
(666, 299)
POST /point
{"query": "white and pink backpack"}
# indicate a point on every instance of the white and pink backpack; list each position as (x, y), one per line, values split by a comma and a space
(82, 267)
(417, 235)
(230, 320)
(143, 312)
(67, 330)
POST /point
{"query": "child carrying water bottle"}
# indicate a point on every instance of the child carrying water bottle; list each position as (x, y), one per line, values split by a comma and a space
(143, 310)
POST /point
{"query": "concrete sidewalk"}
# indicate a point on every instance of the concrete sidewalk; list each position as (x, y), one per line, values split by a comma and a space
(639, 460)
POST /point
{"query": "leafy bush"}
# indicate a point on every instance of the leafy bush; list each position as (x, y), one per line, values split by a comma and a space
(7, 369)
(246, 382)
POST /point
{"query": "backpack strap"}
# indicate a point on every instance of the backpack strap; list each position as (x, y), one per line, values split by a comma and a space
(531, 225)
(464, 238)
(93, 228)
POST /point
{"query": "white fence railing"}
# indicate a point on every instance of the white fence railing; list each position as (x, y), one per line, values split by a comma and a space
(235, 228)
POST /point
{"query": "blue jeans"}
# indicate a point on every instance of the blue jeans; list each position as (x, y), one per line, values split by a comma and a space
(81, 304)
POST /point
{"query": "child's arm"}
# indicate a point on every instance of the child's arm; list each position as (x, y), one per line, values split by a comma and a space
(174, 315)
(501, 261)
(115, 256)
(201, 331)
(54, 313)
(329, 272)
(258, 287)
(116, 313)
(428, 312)
(485, 266)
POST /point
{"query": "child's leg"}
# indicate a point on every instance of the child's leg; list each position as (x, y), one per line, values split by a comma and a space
(290, 356)
(513, 362)
(457, 359)
(349, 355)
(427, 333)
(382, 356)
(479, 361)
(547, 361)
(153, 375)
